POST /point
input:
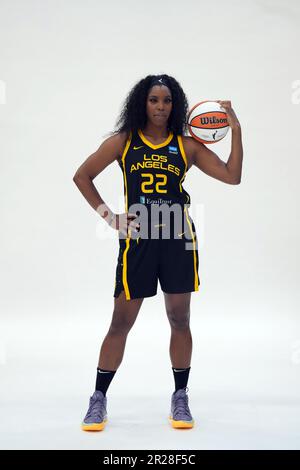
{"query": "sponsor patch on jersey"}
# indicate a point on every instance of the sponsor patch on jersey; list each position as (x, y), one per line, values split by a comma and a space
(173, 149)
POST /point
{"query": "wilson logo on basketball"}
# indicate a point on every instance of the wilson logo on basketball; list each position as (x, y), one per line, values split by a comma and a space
(212, 120)
(209, 120)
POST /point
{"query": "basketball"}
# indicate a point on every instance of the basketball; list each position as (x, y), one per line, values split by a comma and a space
(207, 122)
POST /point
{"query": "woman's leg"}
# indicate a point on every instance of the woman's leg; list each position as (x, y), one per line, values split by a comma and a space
(123, 318)
(178, 311)
(111, 354)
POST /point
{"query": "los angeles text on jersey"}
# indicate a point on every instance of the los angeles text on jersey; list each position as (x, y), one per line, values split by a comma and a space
(159, 162)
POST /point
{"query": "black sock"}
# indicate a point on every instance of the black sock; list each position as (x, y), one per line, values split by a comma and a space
(181, 377)
(104, 377)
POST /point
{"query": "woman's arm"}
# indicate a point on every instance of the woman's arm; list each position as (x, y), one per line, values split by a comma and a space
(107, 153)
(209, 162)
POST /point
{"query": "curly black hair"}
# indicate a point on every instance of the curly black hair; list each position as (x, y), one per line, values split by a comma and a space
(133, 115)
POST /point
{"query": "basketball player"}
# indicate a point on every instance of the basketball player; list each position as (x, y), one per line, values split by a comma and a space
(154, 154)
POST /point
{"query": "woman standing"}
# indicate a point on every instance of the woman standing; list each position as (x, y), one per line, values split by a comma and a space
(154, 154)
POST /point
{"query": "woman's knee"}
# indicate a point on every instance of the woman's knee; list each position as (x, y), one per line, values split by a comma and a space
(120, 324)
(179, 318)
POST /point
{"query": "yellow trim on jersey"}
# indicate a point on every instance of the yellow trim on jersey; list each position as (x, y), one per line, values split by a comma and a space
(194, 251)
(124, 271)
(124, 171)
(182, 151)
(147, 142)
(124, 274)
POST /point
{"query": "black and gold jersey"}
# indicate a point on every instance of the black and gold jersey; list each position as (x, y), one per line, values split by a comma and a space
(153, 174)
(153, 177)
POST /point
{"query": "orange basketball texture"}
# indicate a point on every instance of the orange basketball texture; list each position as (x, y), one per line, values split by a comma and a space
(207, 123)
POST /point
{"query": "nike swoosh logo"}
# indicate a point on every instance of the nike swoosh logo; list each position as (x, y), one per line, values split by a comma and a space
(180, 234)
(136, 148)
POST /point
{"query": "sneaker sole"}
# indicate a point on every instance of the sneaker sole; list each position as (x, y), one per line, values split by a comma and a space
(94, 426)
(181, 424)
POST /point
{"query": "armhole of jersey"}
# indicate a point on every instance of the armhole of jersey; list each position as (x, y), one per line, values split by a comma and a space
(179, 138)
(182, 151)
(128, 142)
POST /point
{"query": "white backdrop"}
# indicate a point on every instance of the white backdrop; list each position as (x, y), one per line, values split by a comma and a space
(65, 70)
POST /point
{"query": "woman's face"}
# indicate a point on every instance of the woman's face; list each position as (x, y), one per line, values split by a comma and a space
(159, 105)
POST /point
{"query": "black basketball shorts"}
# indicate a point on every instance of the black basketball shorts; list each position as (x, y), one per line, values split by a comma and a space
(141, 262)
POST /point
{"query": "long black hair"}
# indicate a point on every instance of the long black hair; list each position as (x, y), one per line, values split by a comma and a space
(133, 114)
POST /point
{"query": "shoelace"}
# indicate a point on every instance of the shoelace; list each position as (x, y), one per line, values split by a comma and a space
(181, 404)
(95, 411)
